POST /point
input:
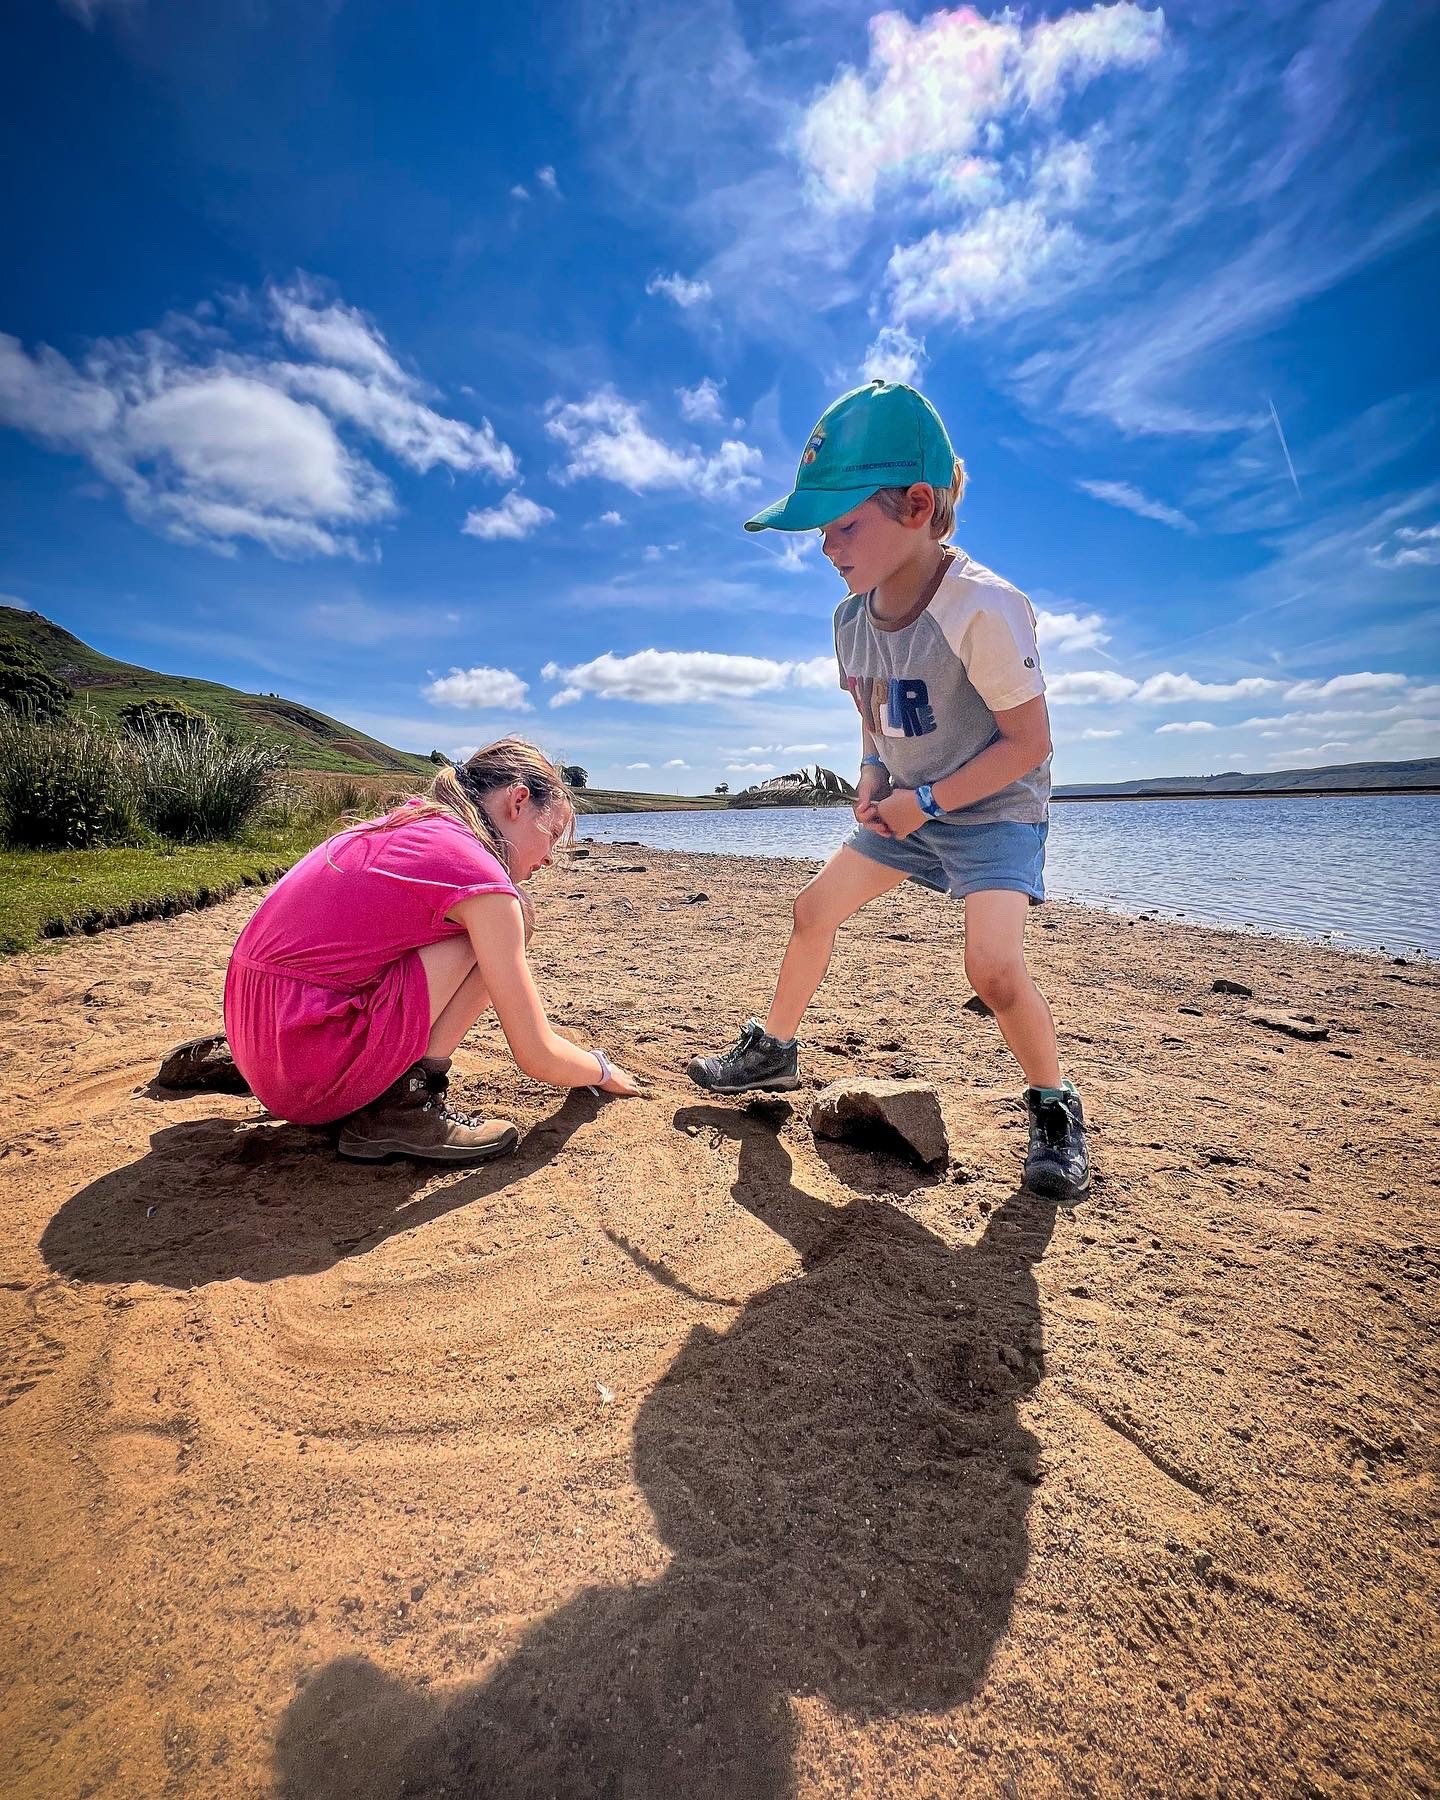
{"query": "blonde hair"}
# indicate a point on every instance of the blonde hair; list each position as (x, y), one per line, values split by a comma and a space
(457, 792)
(895, 504)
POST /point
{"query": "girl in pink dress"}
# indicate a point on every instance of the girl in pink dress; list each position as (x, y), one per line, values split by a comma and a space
(363, 968)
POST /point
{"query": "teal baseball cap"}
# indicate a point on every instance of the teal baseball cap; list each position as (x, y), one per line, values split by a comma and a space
(882, 435)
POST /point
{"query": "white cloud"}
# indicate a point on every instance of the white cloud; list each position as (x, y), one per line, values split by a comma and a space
(750, 768)
(610, 518)
(1189, 725)
(1362, 683)
(515, 517)
(702, 402)
(992, 267)
(212, 443)
(548, 179)
(932, 89)
(679, 288)
(1094, 736)
(1070, 631)
(15, 603)
(1410, 546)
(639, 765)
(1122, 494)
(480, 689)
(1165, 689)
(653, 553)
(333, 332)
(671, 677)
(795, 551)
(1082, 687)
(802, 749)
(603, 436)
(895, 356)
(519, 191)
(677, 762)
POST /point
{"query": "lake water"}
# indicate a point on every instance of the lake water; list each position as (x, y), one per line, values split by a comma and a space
(1361, 870)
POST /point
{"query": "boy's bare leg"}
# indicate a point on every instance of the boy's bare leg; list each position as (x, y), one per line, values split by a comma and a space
(995, 964)
(846, 883)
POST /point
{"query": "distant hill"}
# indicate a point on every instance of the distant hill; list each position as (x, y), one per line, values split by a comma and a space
(312, 739)
(1422, 774)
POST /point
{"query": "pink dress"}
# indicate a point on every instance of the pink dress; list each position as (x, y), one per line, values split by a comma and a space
(326, 1001)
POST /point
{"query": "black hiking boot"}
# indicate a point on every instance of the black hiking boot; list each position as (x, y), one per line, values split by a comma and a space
(756, 1060)
(1057, 1163)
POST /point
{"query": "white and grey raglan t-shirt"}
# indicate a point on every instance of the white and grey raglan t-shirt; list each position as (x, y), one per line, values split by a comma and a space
(928, 686)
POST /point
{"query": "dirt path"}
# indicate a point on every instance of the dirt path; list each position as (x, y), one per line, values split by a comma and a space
(684, 1456)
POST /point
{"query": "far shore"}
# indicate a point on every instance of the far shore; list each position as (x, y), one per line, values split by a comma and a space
(721, 803)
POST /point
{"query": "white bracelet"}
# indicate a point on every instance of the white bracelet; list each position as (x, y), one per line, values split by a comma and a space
(607, 1070)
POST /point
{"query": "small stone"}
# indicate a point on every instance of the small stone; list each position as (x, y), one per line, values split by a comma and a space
(1295, 1025)
(909, 1109)
(1223, 986)
(976, 1005)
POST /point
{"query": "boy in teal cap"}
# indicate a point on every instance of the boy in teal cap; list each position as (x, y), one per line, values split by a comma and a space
(940, 657)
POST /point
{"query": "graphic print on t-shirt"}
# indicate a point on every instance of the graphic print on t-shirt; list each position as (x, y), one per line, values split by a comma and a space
(897, 706)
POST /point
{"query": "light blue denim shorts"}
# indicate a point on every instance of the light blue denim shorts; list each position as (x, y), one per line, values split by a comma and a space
(963, 859)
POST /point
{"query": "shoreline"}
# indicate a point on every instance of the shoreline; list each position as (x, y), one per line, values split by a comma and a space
(1329, 940)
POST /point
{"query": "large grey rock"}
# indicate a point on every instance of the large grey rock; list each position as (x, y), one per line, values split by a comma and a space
(911, 1109)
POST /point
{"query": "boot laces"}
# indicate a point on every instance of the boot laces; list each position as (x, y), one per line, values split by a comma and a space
(1056, 1124)
(437, 1086)
(749, 1036)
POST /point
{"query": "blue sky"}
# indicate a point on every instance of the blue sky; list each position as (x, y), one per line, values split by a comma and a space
(422, 362)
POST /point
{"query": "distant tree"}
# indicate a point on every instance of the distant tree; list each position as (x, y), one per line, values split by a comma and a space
(441, 760)
(141, 716)
(722, 787)
(573, 775)
(28, 689)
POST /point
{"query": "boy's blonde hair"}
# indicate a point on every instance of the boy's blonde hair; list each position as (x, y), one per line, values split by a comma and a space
(893, 503)
(458, 791)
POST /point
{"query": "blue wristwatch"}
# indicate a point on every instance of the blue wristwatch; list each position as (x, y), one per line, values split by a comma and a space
(928, 804)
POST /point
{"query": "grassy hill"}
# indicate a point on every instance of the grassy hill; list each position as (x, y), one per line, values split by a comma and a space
(312, 739)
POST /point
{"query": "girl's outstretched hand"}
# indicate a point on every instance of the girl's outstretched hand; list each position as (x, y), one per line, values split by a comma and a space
(620, 1082)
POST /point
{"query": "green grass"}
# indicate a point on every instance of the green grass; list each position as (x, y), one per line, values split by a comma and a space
(47, 893)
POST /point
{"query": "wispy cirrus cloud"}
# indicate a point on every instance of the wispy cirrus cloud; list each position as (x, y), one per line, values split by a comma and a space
(1131, 499)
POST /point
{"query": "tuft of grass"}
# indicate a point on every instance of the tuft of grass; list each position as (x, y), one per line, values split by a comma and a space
(199, 782)
(67, 784)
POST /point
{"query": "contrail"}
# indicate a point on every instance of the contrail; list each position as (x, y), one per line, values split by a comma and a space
(1280, 433)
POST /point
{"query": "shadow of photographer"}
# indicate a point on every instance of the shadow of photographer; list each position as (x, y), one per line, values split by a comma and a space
(217, 1198)
(843, 1481)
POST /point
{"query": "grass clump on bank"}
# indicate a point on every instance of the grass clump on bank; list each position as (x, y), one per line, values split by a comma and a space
(102, 826)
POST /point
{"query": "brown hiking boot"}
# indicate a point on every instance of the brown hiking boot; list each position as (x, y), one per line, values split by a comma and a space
(411, 1119)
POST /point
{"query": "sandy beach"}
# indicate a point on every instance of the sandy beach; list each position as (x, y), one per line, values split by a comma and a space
(684, 1455)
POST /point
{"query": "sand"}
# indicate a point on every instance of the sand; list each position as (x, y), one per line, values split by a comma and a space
(683, 1455)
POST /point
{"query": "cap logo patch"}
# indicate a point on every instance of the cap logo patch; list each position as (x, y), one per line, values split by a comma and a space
(812, 449)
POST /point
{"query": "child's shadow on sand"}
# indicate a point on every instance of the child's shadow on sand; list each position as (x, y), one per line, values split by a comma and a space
(843, 1481)
(217, 1198)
